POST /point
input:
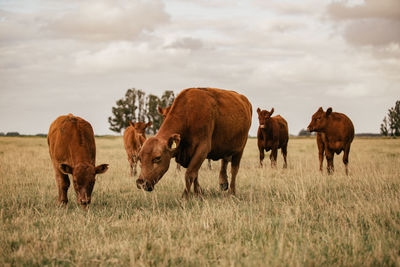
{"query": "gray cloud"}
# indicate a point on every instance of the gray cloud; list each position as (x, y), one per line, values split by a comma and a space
(375, 22)
(187, 43)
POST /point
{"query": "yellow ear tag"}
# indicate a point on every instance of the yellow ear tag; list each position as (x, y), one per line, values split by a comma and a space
(173, 146)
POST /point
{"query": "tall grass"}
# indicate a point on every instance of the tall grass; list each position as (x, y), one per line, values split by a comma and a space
(296, 216)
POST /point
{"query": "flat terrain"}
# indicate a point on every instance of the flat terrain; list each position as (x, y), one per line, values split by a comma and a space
(291, 217)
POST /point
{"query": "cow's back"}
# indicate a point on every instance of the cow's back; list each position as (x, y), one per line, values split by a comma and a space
(71, 140)
(219, 118)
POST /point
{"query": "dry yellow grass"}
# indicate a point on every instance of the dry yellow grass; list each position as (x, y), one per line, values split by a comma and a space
(279, 217)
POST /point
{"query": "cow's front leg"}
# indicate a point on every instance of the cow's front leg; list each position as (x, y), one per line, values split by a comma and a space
(193, 170)
(273, 156)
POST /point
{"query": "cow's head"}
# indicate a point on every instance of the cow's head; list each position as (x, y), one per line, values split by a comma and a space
(155, 157)
(140, 127)
(163, 111)
(319, 120)
(264, 116)
(83, 180)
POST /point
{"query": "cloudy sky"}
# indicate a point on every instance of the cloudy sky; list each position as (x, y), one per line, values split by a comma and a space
(59, 57)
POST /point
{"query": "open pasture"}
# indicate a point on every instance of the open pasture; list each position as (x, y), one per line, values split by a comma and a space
(278, 217)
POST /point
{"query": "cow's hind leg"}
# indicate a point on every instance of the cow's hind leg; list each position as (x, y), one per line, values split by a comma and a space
(223, 176)
(346, 158)
(63, 184)
(234, 170)
(284, 154)
(192, 171)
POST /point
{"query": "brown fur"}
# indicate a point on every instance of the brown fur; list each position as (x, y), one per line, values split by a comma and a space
(335, 132)
(164, 113)
(202, 123)
(140, 128)
(73, 151)
(132, 142)
(272, 134)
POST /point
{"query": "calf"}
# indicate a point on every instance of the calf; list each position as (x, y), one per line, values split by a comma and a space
(73, 151)
(202, 123)
(132, 143)
(335, 132)
(272, 134)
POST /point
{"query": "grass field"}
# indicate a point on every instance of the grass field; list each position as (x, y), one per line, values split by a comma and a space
(291, 217)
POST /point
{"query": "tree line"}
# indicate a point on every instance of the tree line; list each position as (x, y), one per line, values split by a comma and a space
(135, 106)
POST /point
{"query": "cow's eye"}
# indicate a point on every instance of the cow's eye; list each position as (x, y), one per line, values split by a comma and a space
(156, 159)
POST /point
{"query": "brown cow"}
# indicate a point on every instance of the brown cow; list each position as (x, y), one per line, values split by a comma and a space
(335, 132)
(272, 134)
(132, 142)
(202, 123)
(140, 128)
(73, 151)
(164, 112)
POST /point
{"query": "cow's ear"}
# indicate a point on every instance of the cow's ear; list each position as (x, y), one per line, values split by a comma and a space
(272, 111)
(320, 109)
(149, 124)
(174, 141)
(160, 110)
(131, 124)
(328, 111)
(66, 169)
(258, 110)
(101, 168)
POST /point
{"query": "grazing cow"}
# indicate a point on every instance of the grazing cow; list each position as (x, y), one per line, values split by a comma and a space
(132, 143)
(272, 134)
(335, 132)
(202, 123)
(164, 112)
(73, 151)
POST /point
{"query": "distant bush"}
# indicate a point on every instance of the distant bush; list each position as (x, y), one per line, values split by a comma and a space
(2, 134)
(41, 135)
(12, 134)
(304, 132)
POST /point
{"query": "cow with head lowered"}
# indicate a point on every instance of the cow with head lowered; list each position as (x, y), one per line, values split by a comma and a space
(272, 134)
(335, 132)
(164, 113)
(202, 123)
(73, 151)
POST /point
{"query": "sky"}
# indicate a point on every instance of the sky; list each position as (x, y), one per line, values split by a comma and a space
(80, 57)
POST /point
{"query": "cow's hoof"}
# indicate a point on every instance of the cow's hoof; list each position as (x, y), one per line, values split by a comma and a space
(223, 186)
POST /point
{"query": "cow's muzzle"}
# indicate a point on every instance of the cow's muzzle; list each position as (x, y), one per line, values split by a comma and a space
(142, 184)
(262, 126)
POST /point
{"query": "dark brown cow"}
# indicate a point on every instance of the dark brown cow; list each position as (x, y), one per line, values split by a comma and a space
(202, 123)
(164, 112)
(132, 143)
(272, 134)
(335, 132)
(73, 151)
